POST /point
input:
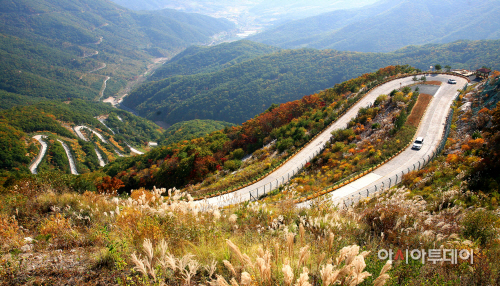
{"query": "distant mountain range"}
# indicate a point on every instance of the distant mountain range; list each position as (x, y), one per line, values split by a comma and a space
(389, 25)
(248, 12)
(59, 57)
(237, 92)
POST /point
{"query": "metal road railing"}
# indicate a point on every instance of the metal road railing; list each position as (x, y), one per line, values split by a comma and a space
(352, 199)
(259, 192)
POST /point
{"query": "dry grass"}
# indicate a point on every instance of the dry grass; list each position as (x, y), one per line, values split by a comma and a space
(10, 233)
(419, 109)
(158, 238)
(433, 82)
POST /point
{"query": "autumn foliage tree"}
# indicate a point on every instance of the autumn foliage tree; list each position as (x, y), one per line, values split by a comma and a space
(485, 176)
(109, 185)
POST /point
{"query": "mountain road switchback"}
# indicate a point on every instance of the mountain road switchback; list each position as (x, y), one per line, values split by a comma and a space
(431, 127)
(40, 155)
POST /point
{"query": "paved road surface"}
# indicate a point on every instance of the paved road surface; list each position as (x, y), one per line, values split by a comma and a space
(431, 128)
(99, 157)
(134, 150)
(80, 134)
(40, 155)
(72, 165)
(78, 130)
(103, 88)
(102, 121)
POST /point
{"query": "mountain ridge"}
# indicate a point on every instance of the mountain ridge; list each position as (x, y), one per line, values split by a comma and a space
(401, 23)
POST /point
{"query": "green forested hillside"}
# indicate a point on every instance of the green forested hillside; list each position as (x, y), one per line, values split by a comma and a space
(33, 69)
(199, 59)
(188, 130)
(64, 49)
(237, 93)
(390, 24)
(12, 147)
(18, 124)
(125, 32)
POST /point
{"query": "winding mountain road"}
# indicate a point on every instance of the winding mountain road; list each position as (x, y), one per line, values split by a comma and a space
(99, 157)
(102, 66)
(134, 150)
(431, 128)
(102, 121)
(72, 165)
(78, 130)
(103, 88)
(40, 155)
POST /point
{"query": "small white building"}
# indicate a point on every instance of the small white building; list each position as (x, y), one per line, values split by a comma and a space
(152, 144)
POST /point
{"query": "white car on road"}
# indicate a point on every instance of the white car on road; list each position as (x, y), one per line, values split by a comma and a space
(452, 81)
(418, 143)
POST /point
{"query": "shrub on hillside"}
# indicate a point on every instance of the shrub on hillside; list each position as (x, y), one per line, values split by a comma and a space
(481, 226)
(284, 144)
(232, 165)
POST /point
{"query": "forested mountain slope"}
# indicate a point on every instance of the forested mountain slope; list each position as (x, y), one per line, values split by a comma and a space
(57, 121)
(390, 24)
(200, 59)
(84, 22)
(191, 129)
(291, 124)
(64, 49)
(235, 94)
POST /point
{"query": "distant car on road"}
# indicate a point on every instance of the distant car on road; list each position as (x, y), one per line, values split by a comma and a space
(418, 143)
(452, 81)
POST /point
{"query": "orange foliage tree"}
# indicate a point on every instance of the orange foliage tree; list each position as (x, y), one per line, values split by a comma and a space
(109, 185)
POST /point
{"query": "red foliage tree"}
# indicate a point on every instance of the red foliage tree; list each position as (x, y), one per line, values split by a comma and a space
(109, 185)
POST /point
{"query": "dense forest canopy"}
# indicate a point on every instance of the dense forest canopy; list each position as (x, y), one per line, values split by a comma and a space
(187, 130)
(200, 59)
